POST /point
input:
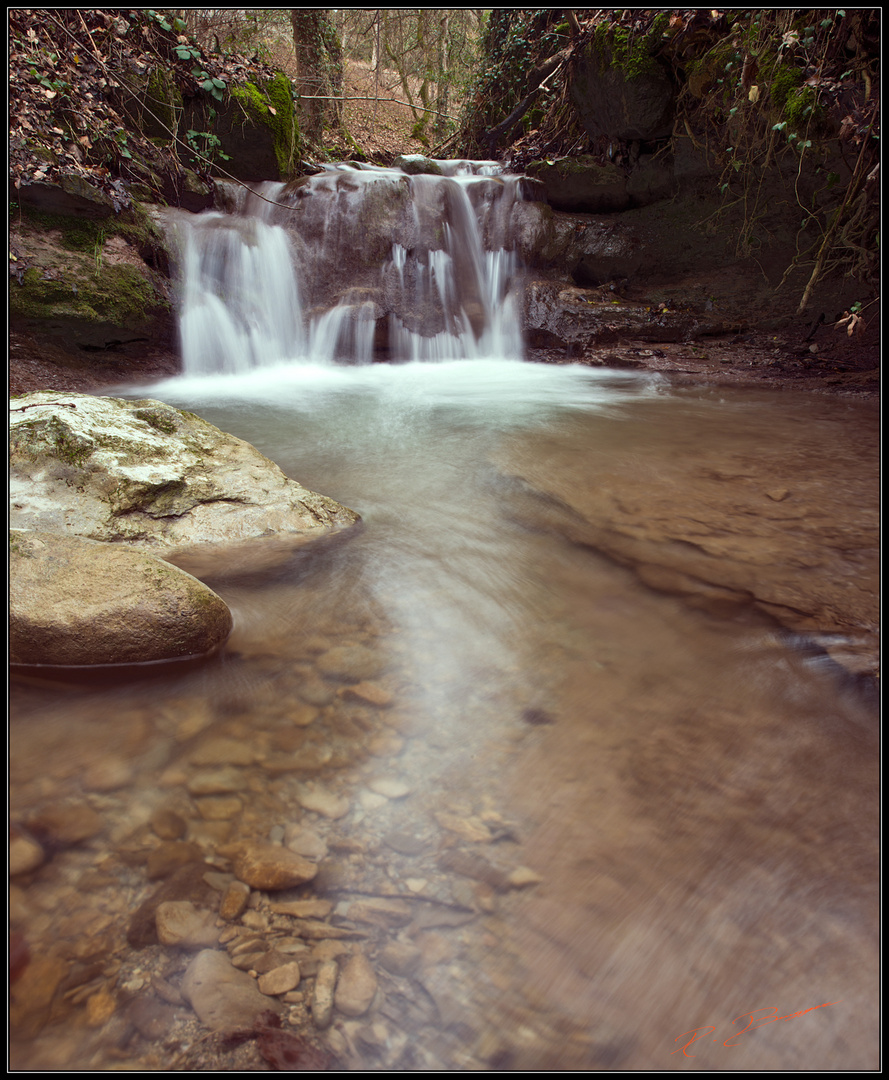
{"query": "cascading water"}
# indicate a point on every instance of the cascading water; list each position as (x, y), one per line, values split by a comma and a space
(320, 269)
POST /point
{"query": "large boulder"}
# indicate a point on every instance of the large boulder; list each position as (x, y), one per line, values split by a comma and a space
(80, 602)
(151, 476)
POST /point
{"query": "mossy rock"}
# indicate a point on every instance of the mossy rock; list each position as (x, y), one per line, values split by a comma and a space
(417, 165)
(258, 130)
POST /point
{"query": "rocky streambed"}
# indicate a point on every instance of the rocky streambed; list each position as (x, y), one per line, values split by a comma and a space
(552, 762)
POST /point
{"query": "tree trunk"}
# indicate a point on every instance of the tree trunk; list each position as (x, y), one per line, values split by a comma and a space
(319, 67)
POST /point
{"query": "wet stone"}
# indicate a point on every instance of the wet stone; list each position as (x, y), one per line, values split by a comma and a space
(25, 854)
(323, 993)
(316, 692)
(181, 924)
(67, 824)
(379, 911)
(390, 787)
(371, 692)
(302, 715)
(474, 866)
(110, 774)
(100, 1008)
(304, 842)
(280, 980)
(168, 825)
(324, 802)
(151, 1018)
(234, 901)
(169, 857)
(400, 958)
(222, 751)
(222, 781)
(303, 909)
(224, 998)
(405, 843)
(350, 663)
(269, 867)
(356, 986)
(219, 807)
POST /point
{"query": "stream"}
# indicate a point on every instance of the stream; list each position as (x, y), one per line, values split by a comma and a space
(573, 822)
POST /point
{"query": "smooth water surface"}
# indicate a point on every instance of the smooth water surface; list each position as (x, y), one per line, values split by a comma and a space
(688, 808)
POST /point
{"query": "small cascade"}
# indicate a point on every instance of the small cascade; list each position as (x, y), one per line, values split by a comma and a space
(240, 306)
(356, 263)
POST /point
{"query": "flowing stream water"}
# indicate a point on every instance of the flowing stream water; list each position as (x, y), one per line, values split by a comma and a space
(624, 833)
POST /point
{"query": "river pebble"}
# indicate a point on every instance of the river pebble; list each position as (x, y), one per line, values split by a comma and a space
(356, 986)
(324, 802)
(219, 807)
(25, 854)
(270, 867)
(224, 998)
(221, 781)
(390, 787)
(323, 993)
(234, 901)
(379, 911)
(371, 692)
(350, 663)
(181, 924)
(400, 957)
(167, 858)
(68, 824)
(280, 979)
(222, 751)
(303, 909)
(304, 841)
(168, 825)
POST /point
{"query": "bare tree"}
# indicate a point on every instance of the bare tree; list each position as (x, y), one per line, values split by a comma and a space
(319, 70)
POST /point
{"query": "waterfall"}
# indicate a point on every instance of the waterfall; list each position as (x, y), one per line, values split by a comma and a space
(357, 263)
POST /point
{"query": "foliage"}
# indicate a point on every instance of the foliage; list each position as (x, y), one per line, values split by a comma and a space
(779, 102)
(514, 45)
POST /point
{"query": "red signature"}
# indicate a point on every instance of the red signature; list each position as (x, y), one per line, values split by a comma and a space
(756, 1018)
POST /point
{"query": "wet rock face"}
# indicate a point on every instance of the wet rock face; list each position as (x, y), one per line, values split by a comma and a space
(584, 185)
(79, 602)
(629, 100)
(150, 475)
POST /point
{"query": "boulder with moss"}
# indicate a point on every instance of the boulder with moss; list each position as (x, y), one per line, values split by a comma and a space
(152, 477)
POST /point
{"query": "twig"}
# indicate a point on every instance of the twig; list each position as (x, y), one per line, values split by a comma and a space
(851, 192)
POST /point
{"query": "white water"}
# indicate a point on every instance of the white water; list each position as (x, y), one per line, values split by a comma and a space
(295, 274)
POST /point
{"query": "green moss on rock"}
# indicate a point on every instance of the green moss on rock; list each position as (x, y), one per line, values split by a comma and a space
(271, 105)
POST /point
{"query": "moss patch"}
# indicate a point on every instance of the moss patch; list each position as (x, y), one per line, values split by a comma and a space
(271, 105)
(116, 294)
